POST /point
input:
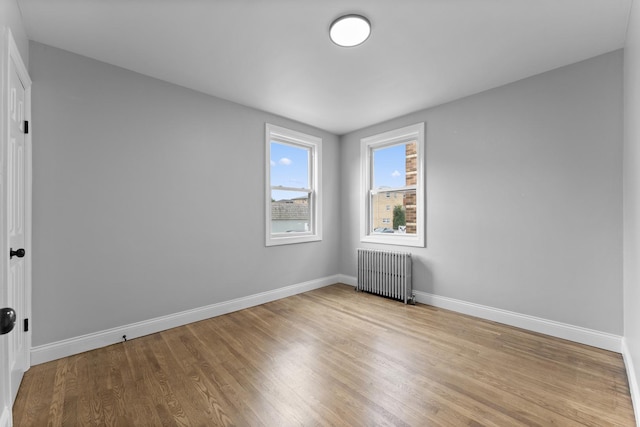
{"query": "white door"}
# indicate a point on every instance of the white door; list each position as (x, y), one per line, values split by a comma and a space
(16, 184)
(16, 189)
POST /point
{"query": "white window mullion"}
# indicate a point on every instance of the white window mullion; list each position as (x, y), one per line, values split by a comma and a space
(299, 190)
(393, 190)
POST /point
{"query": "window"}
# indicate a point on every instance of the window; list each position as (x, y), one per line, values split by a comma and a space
(393, 168)
(293, 197)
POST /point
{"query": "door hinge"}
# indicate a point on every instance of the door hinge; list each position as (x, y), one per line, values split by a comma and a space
(26, 325)
(26, 126)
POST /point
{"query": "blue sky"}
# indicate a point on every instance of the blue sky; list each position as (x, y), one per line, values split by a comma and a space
(289, 168)
(389, 166)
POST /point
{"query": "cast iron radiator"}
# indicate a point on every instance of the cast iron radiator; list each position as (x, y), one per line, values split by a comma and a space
(385, 273)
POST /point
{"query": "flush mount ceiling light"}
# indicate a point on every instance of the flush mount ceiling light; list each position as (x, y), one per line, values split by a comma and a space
(350, 30)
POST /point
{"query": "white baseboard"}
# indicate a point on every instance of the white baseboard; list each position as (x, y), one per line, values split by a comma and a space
(536, 324)
(347, 280)
(44, 353)
(633, 383)
(71, 346)
(565, 331)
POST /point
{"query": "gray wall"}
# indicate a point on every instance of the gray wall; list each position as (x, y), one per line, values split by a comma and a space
(524, 196)
(148, 199)
(11, 17)
(632, 195)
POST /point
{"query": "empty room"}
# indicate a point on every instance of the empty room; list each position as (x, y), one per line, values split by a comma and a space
(346, 213)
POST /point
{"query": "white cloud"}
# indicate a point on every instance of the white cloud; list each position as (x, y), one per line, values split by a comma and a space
(395, 174)
(273, 163)
(285, 161)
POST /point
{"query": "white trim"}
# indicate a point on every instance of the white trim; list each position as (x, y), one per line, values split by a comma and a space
(5, 418)
(408, 133)
(21, 69)
(565, 331)
(71, 346)
(314, 144)
(633, 382)
(5, 373)
(348, 280)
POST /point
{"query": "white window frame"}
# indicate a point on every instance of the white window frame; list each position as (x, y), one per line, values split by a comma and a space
(367, 145)
(314, 144)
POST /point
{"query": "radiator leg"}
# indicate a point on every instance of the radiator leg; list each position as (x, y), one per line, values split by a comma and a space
(412, 300)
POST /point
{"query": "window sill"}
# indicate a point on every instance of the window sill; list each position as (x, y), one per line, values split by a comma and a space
(394, 239)
(290, 240)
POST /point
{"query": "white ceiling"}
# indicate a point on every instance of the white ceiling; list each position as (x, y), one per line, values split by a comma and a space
(276, 55)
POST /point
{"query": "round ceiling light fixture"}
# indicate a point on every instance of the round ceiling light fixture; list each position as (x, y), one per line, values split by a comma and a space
(350, 30)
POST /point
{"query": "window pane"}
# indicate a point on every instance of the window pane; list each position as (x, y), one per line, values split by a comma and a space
(394, 166)
(293, 199)
(289, 165)
(290, 211)
(393, 187)
(400, 219)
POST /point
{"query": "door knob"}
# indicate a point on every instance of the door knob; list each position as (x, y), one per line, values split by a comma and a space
(7, 320)
(19, 253)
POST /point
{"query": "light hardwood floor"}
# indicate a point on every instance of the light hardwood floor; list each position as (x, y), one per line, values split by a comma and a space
(332, 357)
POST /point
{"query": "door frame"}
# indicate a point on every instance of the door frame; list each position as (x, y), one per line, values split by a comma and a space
(9, 53)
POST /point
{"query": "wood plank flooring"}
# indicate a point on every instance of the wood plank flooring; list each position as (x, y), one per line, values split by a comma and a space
(332, 357)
